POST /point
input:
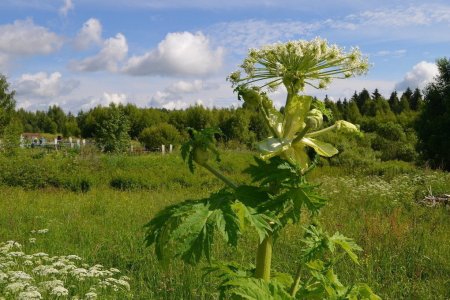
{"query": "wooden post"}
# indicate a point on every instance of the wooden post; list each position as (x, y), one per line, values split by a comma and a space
(163, 149)
(70, 141)
(170, 148)
(56, 144)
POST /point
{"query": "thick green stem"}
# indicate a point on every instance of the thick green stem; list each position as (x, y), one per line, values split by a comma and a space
(322, 131)
(301, 134)
(264, 258)
(219, 175)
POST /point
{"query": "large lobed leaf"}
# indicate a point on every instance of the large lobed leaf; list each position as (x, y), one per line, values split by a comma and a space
(187, 229)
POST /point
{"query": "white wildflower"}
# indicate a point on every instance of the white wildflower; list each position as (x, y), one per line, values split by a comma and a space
(16, 287)
(59, 291)
(50, 285)
(15, 276)
(45, 270)
(91, 296)
(30, 295)
(16, 254)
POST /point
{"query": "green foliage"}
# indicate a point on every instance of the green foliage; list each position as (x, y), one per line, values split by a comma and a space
(405, 256)
(127, 183)
(198, 147)
(7, 103)
(187, 229)
(433, 124)
(162, 134)
(111, 133)
(11, 137)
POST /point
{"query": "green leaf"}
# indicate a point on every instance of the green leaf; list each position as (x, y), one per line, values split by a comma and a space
(260, 222)
(271, 147)
(275, 171)
(283, 279)
(251, 195)
(273, 116)
(315, 244)
(227, 224)
(347, 244)
(322, 148)
(186, 230)
(362, 291)
(294, 115)
(256, 289)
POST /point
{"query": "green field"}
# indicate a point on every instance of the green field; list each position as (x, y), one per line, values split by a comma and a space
(406, 246)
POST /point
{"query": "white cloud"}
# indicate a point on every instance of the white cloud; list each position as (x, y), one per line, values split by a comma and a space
(172, 97)
(90, 34)
(181, 53)
(242, 35)
(43, 85)
(424, 14)
(188, 87)
(68, 5)
(394, 53)
(104, 100)
(23, 37)
(114, 50)
(4, 61)
(420, 75)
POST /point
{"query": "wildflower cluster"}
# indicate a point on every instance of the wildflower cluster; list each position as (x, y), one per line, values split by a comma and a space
(299, 63)
(40, 276)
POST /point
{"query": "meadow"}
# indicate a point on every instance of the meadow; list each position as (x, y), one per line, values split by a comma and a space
(95, 206)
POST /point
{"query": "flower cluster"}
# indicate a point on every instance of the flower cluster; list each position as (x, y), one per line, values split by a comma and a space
(299, 63)
(40, 276)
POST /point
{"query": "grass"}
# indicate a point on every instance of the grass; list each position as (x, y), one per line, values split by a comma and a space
(406, 250)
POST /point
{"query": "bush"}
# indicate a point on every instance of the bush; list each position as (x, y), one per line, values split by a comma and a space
(127, 183)
(162, 134)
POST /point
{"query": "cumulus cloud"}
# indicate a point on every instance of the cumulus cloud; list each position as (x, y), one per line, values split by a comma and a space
(43, 85)
(181, 53)
(420, 75)
(68, 5)
(114, 50)
(172, 97)
(23, 37)
(187, 87)
(106, 99)
(90, 34)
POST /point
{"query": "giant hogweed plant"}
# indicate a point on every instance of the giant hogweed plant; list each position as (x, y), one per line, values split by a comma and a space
(279, 194)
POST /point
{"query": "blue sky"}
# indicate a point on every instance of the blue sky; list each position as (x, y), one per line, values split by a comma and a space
(82, 53)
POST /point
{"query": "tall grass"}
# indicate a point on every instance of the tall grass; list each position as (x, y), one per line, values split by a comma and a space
(406, 250)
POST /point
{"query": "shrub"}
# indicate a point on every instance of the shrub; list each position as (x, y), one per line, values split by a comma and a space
(127, 183)
(162, 134)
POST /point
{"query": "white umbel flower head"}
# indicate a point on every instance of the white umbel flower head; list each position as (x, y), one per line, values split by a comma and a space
(299, 63)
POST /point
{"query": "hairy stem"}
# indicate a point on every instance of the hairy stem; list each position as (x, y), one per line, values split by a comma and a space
(264, 258)
(220, 175)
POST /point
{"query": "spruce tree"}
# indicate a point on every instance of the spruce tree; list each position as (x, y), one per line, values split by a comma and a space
(416, 100)
(433, 124)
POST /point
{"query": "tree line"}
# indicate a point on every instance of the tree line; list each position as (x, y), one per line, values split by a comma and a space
(396, 119)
